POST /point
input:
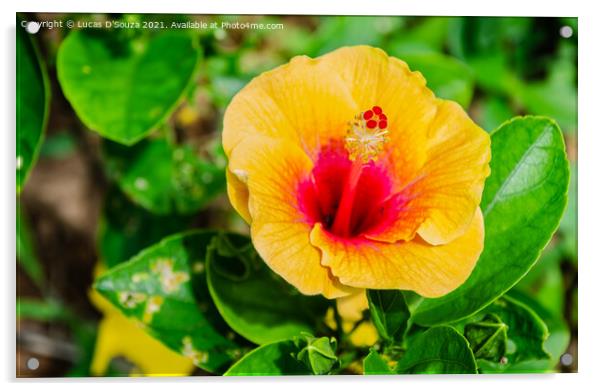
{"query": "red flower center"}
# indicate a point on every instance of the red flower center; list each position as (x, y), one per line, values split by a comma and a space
(348, 198)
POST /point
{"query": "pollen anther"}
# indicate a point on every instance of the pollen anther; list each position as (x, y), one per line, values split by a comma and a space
(366, 137)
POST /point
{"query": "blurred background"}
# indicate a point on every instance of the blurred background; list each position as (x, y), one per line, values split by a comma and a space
(82, 211)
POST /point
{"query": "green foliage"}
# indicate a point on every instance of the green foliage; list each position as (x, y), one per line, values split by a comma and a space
(568, 224)
(305, 355)
(256, 302)
(164, 287)
(352, 30)
(58, 145)
(494, 111)
(508, 336)
(440, 349)
(445, 75)
(487, 338)
(42, 310)
(317, 353)
(555, 344)
(127, 228)
(33, 100)
(375, 364)
(555, 96)
(545, 281)
(273, 359)
(427, 35)
(501, 53)
(523, 201)
(389, 313)
(526, 331)
(164, 178)
(513, 41)
(26, 254)
(125, 89)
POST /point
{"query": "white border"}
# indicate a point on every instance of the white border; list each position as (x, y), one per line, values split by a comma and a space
(590, 195)
(333, 7)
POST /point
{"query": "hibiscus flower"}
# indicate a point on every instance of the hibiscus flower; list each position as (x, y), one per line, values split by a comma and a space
(352, 174)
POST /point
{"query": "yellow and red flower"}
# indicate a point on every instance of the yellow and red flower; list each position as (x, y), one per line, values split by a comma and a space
(353, 175)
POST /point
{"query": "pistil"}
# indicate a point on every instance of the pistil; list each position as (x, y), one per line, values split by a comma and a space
(365, 140)
(342, 221)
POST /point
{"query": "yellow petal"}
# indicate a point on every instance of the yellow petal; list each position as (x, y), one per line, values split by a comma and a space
(272, 170)
(120, 336)
(303, 102)
(450, 185)
(429, 270)
(238, 195)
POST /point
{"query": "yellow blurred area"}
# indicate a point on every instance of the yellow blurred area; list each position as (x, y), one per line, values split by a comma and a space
(350, 308)
(120, 336)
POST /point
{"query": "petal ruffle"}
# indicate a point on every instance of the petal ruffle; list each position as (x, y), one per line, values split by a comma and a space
(272, 170)
(431, 271)
(450, 185)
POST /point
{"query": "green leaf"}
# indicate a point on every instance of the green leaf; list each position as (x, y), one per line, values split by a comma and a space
(523, 201)
(545, 282)
(164, 287)
(374, 364)
(33, 102)
(277, 358)
(257, 303)
(527, 338)
(26, 254)
(318, 353)
(389, 313)
(526, 331)
(125, 89)
(162, 178)
(439, 350)
(126, 228)
(487, 338)
(559, 334)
